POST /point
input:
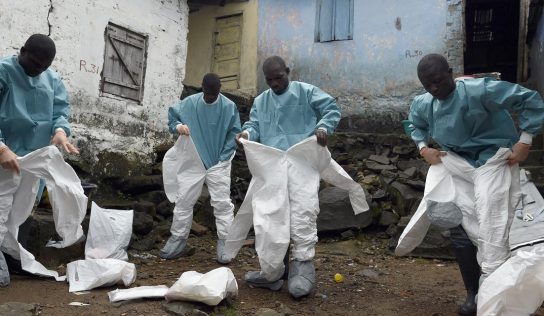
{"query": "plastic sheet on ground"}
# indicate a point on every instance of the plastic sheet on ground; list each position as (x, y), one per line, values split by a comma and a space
(88, 274)
(209, 288)
(109, 233)
(134, 293)
(67, 199)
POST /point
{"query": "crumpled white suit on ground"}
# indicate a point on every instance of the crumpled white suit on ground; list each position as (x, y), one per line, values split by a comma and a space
(17, 194)
(135, 293)
(84, 275)
(486, 196)
(183, 177)
(282, 202)
(209, 288)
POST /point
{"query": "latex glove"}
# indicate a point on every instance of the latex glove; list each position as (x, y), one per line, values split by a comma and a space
(321, 137)
(241, 135)
(431, 155)
(8, 160)
(60, 139)
(183, 129)
(520, 152)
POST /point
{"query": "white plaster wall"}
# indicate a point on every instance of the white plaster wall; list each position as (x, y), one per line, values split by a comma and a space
(455, 35)
(18, 20)
(104, 123)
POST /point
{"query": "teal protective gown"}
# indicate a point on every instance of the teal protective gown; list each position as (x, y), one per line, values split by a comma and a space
(280, 121)
(213, 127)
(474, 121)
(31, 108)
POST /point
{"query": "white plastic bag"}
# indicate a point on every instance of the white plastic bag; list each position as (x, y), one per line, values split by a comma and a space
(84, 275)
(109, 233)
(138, 292)
(209, 288)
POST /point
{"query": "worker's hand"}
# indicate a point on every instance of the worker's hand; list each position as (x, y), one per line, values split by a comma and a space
(241, 135)
(8, 160)
(183, 130)
(321, 137)
(60, 139)
(431, 155)
(520, 152)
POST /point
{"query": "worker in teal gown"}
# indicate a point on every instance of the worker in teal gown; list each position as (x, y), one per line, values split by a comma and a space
(212, 121)
(471, 118)
(282, 116)
(34, 112)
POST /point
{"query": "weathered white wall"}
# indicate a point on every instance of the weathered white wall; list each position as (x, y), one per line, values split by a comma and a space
(106, 125)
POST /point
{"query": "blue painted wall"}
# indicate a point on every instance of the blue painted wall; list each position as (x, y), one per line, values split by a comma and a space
(377, 67)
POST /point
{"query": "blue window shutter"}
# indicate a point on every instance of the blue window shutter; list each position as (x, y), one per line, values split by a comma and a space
(325, 26)
(343, 20)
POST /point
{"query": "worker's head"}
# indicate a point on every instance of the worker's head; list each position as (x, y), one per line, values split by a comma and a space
(37, 54)
(276, 74)
(436, 76)
(211, 85)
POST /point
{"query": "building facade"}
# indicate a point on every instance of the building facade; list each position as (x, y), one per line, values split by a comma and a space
(122, 61)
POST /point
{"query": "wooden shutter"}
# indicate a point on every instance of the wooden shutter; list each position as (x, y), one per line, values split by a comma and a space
(124, 63)
(343, 20)
(326, 17)
(334, 20)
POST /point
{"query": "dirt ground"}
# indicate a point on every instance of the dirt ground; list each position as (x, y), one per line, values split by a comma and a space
(398, 286)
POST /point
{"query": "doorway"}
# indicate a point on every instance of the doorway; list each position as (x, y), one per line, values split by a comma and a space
(226, 50)
(492, 32)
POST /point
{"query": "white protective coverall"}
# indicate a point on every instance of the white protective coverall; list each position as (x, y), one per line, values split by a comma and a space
(486, 196)
(517, 286)
(282, 202)
(183, 177)
(17, 199)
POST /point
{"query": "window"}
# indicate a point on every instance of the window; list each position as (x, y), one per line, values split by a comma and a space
(334, 20)
(124, 63)
(483, 25)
